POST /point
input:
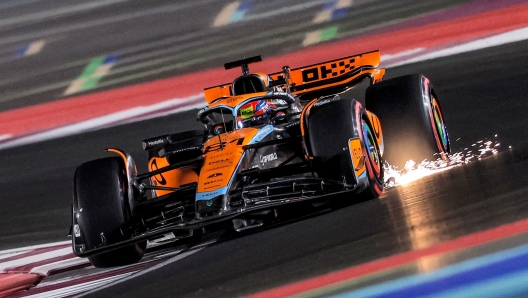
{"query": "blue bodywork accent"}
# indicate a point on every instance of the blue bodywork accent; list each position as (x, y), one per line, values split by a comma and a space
(362, 176)
(203, 196)
(262, 133)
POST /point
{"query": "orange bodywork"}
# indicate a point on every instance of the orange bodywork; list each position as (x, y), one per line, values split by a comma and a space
(220, 162)
(213, 93)
(174, 178)
(358, 158)
(222, 159)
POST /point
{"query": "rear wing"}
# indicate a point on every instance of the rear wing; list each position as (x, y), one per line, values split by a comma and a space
(320, 79)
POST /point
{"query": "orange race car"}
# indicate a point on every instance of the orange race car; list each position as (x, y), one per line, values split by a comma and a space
(270, 141)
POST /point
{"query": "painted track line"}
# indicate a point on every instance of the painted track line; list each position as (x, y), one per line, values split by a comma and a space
(492, 41)
(38, 269)
(163, 264)
(8, 265)
(76, 289)
(121, 117)
(457, 278)
(333, 278)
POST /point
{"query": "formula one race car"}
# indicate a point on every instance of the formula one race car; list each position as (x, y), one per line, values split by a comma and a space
(270, 141)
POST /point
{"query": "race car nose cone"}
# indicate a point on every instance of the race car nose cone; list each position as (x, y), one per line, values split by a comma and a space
(211, 207)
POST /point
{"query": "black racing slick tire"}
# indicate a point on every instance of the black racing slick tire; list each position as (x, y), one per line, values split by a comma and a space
(331, 126)
(411, 119)
(100, 193)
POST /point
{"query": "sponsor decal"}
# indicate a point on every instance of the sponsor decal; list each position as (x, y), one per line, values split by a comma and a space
(186, 149)
(327, 71)
(231, 99)
(322, 102)
(252, 109)
(156, 142)
(214, 175)
(217, 100)
(217, 155)
(217, 168)
(246, 113)
(280, 93)
(212, 186)
(223, 160)
(213, 181)
(264, 159)
(209, 203)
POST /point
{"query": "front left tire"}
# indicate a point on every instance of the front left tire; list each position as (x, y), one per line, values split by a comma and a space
(101, 201)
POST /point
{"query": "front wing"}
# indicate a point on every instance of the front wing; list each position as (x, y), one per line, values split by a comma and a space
(258, 197)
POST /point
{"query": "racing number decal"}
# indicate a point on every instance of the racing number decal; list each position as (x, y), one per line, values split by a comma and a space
(358, 159)
(327, 71)
(218, 146)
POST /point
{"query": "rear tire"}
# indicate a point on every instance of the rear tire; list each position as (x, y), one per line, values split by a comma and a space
(330, 127)
(411, 119)
(101, 193)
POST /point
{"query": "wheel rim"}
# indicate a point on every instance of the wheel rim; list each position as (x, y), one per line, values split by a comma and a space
(372, 147)
(440, 125)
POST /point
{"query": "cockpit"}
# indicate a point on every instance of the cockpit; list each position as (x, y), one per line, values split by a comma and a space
(252, 100)
(249, 111)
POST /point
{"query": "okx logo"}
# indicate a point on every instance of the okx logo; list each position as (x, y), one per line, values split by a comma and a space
(326, 71)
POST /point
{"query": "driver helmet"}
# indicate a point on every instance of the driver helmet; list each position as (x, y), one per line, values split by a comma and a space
(254, 113)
